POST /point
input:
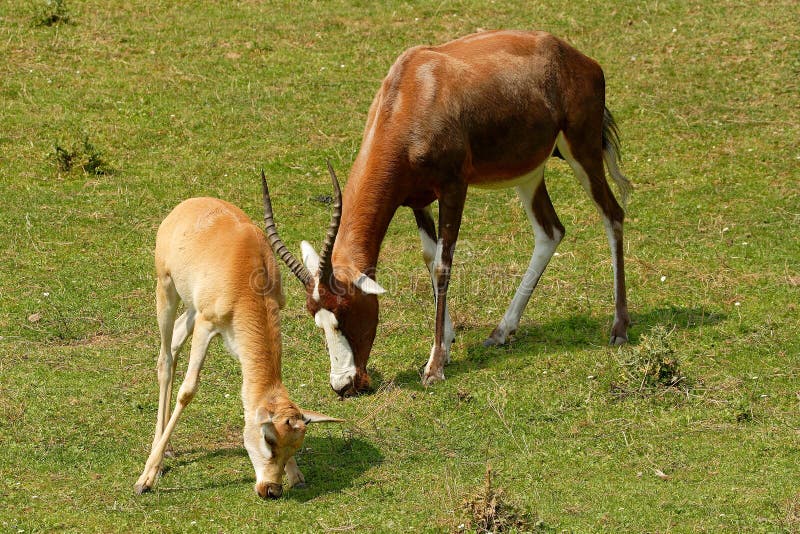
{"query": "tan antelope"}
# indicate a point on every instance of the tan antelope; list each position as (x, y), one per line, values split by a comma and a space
(486, 110)
(213, 258)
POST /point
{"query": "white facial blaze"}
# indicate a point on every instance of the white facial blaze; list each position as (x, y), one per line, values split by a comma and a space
(315, 294)
(343, 367)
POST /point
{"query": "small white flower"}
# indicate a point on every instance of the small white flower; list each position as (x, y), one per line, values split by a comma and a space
(663, 278)
(737, 303)
(46, 294)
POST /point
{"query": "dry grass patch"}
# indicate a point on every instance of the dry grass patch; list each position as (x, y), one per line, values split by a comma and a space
(492, 511)
(651, 367)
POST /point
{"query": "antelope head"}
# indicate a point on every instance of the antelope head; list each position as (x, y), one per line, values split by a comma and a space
(343, 301)
(272, 437)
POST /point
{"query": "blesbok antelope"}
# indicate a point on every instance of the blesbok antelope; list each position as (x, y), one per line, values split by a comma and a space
(486, 110)
(213, 258)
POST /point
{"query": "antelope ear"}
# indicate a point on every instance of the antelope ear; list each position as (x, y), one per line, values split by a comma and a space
(263, 416)
(368, 285)
(314, 417)
(310, 257)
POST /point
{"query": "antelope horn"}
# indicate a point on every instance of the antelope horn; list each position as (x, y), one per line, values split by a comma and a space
(325, 263)
(275, 242)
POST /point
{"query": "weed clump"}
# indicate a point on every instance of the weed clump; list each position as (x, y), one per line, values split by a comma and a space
(54, 12)
(650, 367)
(83, 156)
(490, 512)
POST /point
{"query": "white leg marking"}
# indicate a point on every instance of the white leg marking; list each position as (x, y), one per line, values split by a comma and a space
(543, 249)
(343, 366)
(577, 168)
(612, 243)
(434, 267)
(610, 227)
(432, 254)
(430, 361)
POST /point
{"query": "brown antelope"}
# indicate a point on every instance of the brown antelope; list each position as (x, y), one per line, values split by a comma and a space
(486, 110)
(214, 259)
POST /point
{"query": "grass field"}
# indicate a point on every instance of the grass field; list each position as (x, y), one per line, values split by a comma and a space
(153, 102)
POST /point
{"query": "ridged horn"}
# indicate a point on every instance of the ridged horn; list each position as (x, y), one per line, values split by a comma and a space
(325, 263)
(275, 241)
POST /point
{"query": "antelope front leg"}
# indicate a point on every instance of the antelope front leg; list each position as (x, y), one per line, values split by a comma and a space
(451, 207)
(294, 477)
(427, 235)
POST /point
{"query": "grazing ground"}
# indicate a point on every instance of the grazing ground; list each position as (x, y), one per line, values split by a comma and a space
(113, 112)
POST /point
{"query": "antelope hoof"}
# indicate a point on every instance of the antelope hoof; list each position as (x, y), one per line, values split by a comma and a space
(617, 340)
(497, 338)
(494, 341)
(141, 488)
(295, 479)
(432, 377)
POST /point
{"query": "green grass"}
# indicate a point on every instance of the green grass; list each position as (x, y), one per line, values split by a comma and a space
(188, 99)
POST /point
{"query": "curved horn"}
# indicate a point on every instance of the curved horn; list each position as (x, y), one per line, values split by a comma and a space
(275, 242)
(325, 263)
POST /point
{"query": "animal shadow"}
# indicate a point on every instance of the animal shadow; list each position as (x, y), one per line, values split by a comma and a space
(574, 332)
(329, 464)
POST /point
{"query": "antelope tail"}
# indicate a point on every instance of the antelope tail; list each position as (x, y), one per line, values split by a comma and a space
(611, 156)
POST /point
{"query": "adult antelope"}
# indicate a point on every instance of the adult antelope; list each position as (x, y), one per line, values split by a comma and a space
(486, 110)
(210, 256)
